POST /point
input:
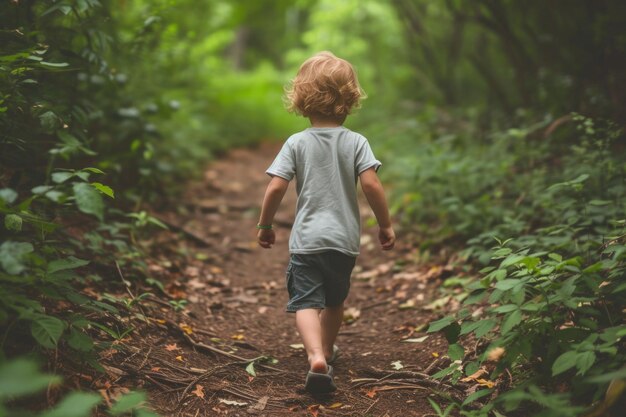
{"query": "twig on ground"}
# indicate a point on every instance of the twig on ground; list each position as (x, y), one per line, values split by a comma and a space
(432, 365)
(132, 296)
(219, 351)
(191, 235)
(380, 303)
(200, 377)
(402, 386)
(371, 405)
(413, 378)
(145, 359)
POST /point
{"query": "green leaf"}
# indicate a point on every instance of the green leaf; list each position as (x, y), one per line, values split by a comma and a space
(435, 406)
(456, 352)
(564, 362)
(469, 326)
(584, 361)
(511, 260)
(54, 64)
(440, 324)
(446, 371)
(49, 121)
(21, 377)
(507, 308)
(502, 252)
(506, 284)
(128, 402)
(8, 195)
(63, 8)
(13, 222)
(451, 332)
(94, 170)
(11, 254)
(63, 264)
(41, 189)
(80, 341)
(61, 176)
(250, 369)
(75, 404)
(601, 379)
(471, 367)
(47, 330)
(484, 327)
(511, 321)
(89, 200)
(478, 394)
(104, 189)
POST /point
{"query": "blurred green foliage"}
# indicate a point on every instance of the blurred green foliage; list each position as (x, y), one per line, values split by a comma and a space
(498, 122)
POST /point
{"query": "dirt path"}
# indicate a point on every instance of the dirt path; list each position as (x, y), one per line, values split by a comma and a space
(193, 362)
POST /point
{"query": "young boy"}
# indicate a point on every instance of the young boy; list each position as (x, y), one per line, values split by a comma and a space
(327, 159)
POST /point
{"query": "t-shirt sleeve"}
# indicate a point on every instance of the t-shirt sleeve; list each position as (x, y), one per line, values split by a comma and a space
(365, 158)
(284, 164)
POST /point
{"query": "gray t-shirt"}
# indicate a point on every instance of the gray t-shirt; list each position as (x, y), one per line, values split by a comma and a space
(327, 162)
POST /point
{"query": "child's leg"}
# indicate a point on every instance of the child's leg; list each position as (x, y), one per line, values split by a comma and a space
(310, 328)
(331, 319)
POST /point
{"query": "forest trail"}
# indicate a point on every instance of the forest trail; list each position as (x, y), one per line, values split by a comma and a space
(195, 362)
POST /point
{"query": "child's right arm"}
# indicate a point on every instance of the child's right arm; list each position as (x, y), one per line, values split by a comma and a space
(373, 190)
(273, 196)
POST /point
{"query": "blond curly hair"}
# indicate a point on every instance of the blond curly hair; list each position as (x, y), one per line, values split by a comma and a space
(324, 85)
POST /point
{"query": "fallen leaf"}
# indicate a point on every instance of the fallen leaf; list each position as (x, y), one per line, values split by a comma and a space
(351, 314)
(415, 340)
(250, 369)
(192, 271)
(297, 346)
(156, 369)
(196, 284)
(199, 391)
(408, 305)
(435, 354)
(171, 347)
(411, 276)
(397, 365)
(237, 337)
(400, 295)
(475, 375)
(216, 270)
(105, 395)
(335, 405)
(438, 304)
(314, 409)
(371, 393)
(262, 310)
(231, 402)
(186, 328)
(160, 321)
(486, 383)
(180, 358)
(495, 354)
(260, 405)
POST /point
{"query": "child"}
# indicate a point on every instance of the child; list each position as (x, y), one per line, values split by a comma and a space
(327, 159)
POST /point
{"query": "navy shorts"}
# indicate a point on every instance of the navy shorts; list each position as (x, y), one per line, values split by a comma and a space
(318, 280)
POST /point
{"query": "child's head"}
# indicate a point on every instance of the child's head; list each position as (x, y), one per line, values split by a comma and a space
(325, 86)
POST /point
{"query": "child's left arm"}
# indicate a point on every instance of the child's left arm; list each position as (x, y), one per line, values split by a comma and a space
(273, 196)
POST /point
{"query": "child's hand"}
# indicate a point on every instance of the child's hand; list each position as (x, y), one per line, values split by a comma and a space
(266, 238)
(387, 237)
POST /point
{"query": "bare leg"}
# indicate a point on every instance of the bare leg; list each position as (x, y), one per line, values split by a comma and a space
(310, 328)
(331, 319)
